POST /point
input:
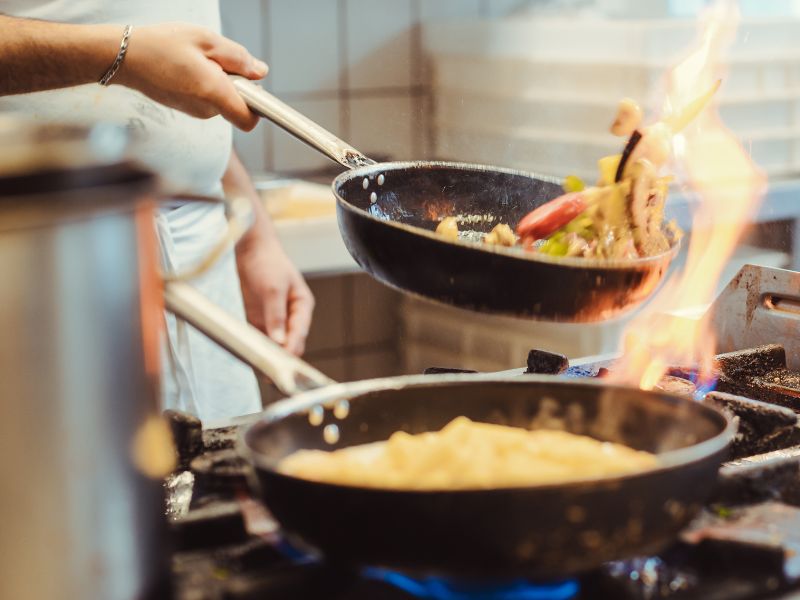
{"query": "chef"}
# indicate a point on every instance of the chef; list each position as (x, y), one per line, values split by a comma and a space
(160, 67)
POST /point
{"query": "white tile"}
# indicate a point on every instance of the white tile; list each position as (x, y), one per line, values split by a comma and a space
(384, 127)
(242, 21)
(290, 154)
(304, 45)
(440, 10)
(379, 40)
(437, 11)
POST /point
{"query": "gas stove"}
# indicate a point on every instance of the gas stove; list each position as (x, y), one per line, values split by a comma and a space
(745, 544)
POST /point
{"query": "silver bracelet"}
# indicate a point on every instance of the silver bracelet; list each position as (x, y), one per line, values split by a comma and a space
(123, 50)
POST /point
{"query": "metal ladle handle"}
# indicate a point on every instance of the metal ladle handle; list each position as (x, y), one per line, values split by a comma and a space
(289, 374)
(304, 129)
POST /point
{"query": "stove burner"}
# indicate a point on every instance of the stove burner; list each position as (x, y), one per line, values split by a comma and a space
(439, 588)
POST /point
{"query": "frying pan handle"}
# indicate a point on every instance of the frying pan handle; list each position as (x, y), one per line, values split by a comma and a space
(289, 374)
(265, 104)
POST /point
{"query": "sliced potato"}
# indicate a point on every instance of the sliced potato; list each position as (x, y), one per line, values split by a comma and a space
(501, 235)
(448, 228)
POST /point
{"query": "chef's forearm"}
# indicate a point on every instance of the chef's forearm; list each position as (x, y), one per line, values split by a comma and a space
(237, 181)
(40, 55)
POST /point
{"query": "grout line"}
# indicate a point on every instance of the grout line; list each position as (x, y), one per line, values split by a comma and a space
(343, 93)
(377, 92)
(348, 285)
(414, 63)
(416, 67)
(266, 50)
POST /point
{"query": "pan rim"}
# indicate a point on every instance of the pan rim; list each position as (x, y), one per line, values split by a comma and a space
(564, 261)
(669, 460)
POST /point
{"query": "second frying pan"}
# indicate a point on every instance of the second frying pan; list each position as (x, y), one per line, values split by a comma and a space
(543, 532)
(388, 213)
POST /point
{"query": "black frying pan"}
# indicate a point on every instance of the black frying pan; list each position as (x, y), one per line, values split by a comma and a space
(541, 532)
(388, 213)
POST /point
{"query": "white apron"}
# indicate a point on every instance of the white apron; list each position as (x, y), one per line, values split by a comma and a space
(190, 153)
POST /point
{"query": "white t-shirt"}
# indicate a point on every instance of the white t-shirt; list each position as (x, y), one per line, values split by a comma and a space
(192, 154)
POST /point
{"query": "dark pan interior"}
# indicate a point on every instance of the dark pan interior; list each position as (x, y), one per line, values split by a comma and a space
(423, 195)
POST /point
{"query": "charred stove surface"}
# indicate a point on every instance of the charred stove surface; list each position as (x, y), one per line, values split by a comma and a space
(760, 373)
(771, 476)
(762, 427)
(220, 472)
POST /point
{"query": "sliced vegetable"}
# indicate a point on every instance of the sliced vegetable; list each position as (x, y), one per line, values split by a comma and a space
(642, 176)
(635, 138)
(555, 246)
(553, 215)
(608, 166)
(579, 224)
(677, 121)
(573, 183)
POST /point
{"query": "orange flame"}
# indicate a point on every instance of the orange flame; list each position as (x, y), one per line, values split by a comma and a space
(728, 186)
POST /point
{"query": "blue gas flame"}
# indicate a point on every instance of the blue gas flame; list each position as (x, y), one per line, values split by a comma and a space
(439, 588)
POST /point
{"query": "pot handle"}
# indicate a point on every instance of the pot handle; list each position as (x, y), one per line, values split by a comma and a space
(268, 106)
(289, 374)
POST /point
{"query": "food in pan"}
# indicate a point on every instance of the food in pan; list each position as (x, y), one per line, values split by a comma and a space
(622, 216)
(501, 235)
(468, 455)
(448, 228)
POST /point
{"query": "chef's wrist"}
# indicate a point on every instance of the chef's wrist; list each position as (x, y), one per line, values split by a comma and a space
(112, 70)
(94, 46)
(262, 231)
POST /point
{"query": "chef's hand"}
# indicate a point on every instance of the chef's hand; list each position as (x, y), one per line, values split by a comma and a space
(184, 67)
(276, 298)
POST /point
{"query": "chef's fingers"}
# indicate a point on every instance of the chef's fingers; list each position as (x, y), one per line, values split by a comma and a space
(301, 307)
(234, 58)
(227, 100)
(275, 314)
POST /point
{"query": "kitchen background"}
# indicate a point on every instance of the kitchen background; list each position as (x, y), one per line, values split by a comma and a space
(529, 84)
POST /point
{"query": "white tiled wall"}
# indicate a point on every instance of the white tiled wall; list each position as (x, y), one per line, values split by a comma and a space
(355, 65)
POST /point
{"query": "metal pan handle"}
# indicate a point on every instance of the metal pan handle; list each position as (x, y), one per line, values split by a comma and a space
(304, 129)
(289, 374)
